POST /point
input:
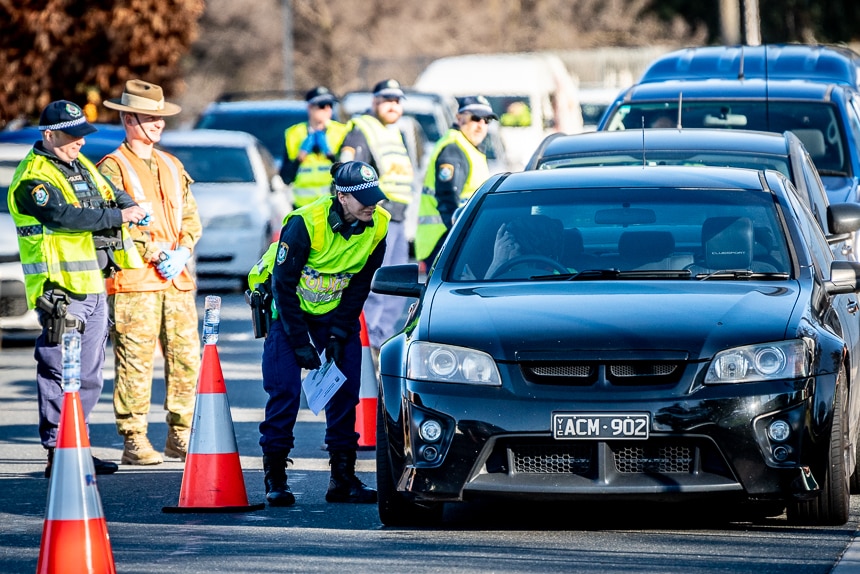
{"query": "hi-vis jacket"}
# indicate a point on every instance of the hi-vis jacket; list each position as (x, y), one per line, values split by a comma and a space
(313, 177)
(431, 227)
(391, 158)
(62, 258)
(174, 221)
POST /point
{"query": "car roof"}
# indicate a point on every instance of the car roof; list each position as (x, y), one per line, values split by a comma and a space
(818, 62)
(654, 139)
(209, 138)
(256, 106)
(726, 89)
(629, 176)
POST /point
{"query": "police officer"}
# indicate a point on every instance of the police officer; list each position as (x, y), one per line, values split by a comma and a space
(323, 264)
(156, 302)
(455, 170)
(311, 148)
(71, 235)
(375, 139)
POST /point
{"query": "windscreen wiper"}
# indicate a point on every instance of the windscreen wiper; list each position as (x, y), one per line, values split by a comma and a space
(597, 274)
(741, 274)
(832, 173)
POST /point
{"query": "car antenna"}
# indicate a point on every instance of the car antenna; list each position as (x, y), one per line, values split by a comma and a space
(741, 66)
(643, 142)
(680, 107)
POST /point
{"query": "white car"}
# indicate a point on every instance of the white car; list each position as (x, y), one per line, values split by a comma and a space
(241, 198)
(16, 321)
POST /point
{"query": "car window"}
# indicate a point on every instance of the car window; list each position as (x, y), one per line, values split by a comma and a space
(819, 250)
(268, 126)
(816, 124)
(7, 170)
(672, 157)
(215, 164)
(653, 229)
(814, 192)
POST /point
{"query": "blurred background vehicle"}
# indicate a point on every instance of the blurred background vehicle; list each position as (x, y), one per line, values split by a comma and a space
(240, 195)
(16, 321)
(96, 146)
(594, 101)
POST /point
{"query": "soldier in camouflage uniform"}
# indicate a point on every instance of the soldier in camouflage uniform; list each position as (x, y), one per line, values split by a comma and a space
(155, 304)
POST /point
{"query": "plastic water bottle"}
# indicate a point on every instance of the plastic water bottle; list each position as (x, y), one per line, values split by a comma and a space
(71, 361)
(211, 319)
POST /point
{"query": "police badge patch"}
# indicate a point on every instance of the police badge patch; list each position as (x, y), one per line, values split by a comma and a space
(73, 110)
(40, 195)
(367, 173)
(283, 249)
(446, 172)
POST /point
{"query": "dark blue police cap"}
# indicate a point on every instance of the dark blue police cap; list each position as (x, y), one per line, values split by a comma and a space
(320, 95)
(359, 179)
(388, 89)
(65, 116)
(477, 105)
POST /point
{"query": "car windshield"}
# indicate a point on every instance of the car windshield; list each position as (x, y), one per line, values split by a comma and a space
(646, 233)
(718, 158)
(268, 127)
(816, 124)
(215, 164)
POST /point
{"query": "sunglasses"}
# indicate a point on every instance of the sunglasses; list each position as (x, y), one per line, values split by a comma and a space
(323, 106)
(477, 119)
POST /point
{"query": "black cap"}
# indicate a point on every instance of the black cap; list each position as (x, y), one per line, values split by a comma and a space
(477, 105)
(320, 95)
(67, 117)
(388, 89)
(359, 179)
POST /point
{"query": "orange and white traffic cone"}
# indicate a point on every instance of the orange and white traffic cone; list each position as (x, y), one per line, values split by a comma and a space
(75, 536)
(212, 480)
(365, 412)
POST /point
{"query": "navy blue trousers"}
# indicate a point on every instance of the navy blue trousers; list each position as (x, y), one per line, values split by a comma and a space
(282, 380)
(92, 310)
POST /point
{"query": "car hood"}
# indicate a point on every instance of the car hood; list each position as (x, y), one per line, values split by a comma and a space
(559, 320)
(840, 189)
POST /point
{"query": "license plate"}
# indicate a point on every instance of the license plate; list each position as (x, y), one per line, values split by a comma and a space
(600, 426)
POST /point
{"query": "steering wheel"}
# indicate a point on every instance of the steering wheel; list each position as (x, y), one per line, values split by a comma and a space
(536, 259)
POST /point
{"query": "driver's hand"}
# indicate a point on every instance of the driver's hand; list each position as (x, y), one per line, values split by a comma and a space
(504, 249)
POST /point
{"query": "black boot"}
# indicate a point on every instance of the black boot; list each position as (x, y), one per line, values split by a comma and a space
(278, 492)
(344, 486)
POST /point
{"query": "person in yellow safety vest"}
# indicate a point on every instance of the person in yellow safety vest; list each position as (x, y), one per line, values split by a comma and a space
(157, 302)
(455, 170)
(71, 233)
(374, 138)
(517, 114)
(324, 261)
(311, 147)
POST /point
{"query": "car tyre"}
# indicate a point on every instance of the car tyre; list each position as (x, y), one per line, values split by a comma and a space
(394, 508)
(832, 506)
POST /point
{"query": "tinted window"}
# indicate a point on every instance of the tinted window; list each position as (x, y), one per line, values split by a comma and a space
(268, 126)
(215, 164)
(672, 157)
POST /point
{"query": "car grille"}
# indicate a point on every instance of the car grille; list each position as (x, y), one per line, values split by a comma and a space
(631, 373)
(670, 455)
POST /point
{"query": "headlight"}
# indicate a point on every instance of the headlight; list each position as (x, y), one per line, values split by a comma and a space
(234, 221)
(764, 362)
(448, 364)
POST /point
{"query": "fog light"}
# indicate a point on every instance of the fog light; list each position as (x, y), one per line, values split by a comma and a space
(779, 430)
(429, 453)
(430, 430)
(780, 453)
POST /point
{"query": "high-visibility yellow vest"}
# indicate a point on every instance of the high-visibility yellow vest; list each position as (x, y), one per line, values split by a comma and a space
(313, 178)
(66, 259)
(430, 225)
(389, 152)
(333, 260)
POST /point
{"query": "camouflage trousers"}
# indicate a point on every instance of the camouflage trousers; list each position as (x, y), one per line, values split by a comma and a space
(139, 321)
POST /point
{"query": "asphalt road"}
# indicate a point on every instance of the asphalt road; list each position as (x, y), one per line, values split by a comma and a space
(314, 536)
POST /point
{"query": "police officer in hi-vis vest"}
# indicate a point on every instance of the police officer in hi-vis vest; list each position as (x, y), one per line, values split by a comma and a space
(456, 169)
(311, 147)
(155, 303)
(71, 233)
(321, 268)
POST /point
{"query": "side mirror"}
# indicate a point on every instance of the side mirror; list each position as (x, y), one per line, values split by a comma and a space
(844, 277)
(843, 218)
(400, 280)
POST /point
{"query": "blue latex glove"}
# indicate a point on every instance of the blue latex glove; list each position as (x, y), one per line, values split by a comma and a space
(320, 143)
(175, 262)
(143, 222)
(308, 145)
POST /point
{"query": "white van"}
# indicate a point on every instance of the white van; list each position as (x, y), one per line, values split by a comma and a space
(532, 93)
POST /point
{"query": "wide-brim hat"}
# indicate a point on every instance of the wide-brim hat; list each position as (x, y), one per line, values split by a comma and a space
(360, 180)
(141, 97)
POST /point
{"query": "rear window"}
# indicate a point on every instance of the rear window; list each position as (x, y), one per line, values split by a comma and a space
(213, 164)
(268, 126)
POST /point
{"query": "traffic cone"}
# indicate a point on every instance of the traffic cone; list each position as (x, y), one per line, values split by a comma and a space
(75, 536)
(212, 480)
(365, 412)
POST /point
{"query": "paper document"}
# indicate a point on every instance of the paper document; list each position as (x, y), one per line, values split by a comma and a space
(321, 384)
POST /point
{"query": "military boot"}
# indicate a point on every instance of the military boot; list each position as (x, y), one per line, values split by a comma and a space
(138, 450)
(344, 486)
(177, 442)
(278, 492)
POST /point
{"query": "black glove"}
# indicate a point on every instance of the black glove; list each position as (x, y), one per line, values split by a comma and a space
(334, 349)
(307, 357)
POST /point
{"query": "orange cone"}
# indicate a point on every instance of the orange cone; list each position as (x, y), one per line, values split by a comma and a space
(212, 480)
(365, 412)
(75, 536)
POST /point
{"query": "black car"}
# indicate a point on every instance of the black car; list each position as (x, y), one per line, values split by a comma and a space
(616, 334)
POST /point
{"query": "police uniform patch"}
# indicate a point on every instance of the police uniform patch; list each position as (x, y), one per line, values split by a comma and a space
(367, 173)
(283, 249)
(73, 110)
(446, 172)
(40, 195)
